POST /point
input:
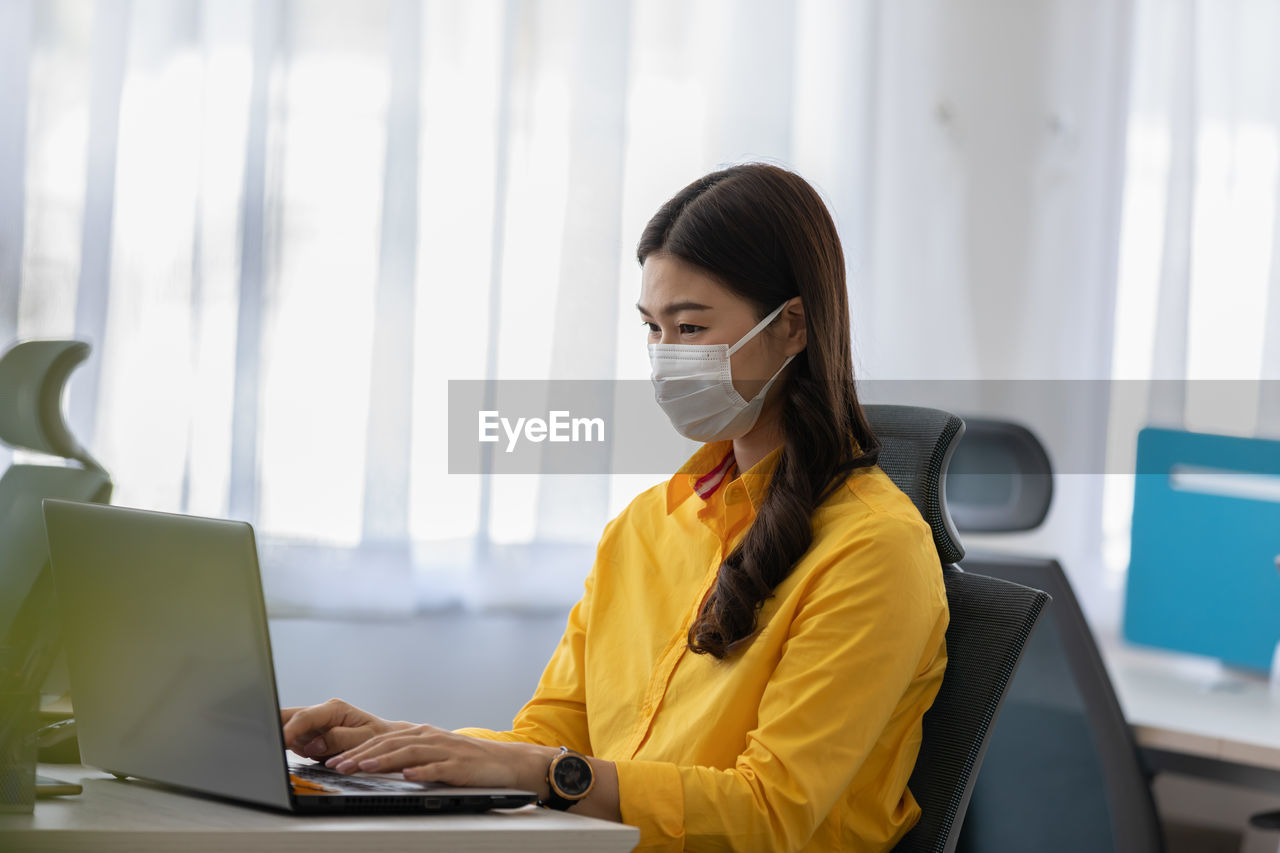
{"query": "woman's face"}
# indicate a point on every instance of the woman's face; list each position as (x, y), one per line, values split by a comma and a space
(681, 304)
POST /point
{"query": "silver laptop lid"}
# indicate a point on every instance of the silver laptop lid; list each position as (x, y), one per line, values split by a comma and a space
(167, 646)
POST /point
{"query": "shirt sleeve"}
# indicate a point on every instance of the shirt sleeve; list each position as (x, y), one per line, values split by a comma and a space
(557, 713)
(870, 631)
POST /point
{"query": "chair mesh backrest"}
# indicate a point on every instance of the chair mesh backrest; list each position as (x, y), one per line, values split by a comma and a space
(916, 444)
(990, 622)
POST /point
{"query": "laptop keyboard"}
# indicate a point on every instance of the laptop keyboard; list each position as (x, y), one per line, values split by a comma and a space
(318, 774)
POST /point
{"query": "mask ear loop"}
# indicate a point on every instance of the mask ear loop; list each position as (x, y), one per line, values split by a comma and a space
(751, 334)
(755, 331)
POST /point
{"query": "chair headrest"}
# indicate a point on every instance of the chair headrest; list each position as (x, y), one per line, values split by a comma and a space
(1001, 479)
(32, 375)
(916, 444)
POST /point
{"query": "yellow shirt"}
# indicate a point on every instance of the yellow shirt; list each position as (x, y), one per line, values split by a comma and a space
(804, 739)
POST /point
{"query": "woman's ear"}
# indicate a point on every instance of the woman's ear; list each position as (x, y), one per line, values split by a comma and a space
(796, 329)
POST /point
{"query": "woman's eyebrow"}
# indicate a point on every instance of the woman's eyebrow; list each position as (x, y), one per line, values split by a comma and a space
(673, 308)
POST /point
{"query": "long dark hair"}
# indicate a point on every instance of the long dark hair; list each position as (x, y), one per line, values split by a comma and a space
(764, 233)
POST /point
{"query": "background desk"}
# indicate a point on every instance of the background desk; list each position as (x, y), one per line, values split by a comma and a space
(1191, 715)
(135, 816)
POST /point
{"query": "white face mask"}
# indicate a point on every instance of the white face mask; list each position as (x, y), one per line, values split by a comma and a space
(694, 386)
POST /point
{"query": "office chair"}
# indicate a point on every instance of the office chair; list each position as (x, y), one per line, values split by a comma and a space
(32, 376)
(1062, 771)
(991, 620)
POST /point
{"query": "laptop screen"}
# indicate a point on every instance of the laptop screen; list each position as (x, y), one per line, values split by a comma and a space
(168, 650)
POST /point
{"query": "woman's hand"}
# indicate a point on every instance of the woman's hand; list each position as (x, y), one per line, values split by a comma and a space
(428, 754)
(323, 730)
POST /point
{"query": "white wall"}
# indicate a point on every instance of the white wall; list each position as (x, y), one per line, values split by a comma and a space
(449, 669)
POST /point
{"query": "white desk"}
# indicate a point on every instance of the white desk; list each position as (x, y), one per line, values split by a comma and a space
(134, 817)
(1192, 715)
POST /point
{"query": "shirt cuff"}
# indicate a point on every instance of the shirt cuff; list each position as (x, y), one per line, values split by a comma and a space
(651, 798)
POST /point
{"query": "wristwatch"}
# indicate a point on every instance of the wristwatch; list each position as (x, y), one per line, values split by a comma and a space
(570, 779)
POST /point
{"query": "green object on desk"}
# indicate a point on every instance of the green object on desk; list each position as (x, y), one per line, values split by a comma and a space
(47, 786)
(17, 750)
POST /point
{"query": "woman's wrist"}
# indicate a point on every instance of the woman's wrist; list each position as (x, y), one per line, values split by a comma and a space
(531, 772)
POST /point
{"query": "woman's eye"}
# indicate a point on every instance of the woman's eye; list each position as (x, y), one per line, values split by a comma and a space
(683, 328)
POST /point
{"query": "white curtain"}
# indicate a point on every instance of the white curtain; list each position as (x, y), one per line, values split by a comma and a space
(286, 224)
(1199, 280)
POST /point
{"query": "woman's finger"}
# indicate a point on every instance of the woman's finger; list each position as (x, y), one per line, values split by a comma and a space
(322, 730)
(310, 742)
(410, 755)
(357, 752)
(335, 741)
(305, 724)
(375, 747)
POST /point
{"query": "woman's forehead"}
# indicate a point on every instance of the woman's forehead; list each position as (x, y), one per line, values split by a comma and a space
(667, 280)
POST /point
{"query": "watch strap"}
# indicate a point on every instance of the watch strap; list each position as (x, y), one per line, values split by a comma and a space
(557, 802)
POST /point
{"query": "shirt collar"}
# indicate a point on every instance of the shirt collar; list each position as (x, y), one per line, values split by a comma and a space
(706, 460)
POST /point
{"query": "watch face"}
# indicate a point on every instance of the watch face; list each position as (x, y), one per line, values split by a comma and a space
(572, 775)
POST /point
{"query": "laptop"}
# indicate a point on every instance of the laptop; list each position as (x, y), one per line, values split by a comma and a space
(170, 663)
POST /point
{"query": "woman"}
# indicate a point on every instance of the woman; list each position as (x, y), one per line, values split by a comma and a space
(760, 635)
